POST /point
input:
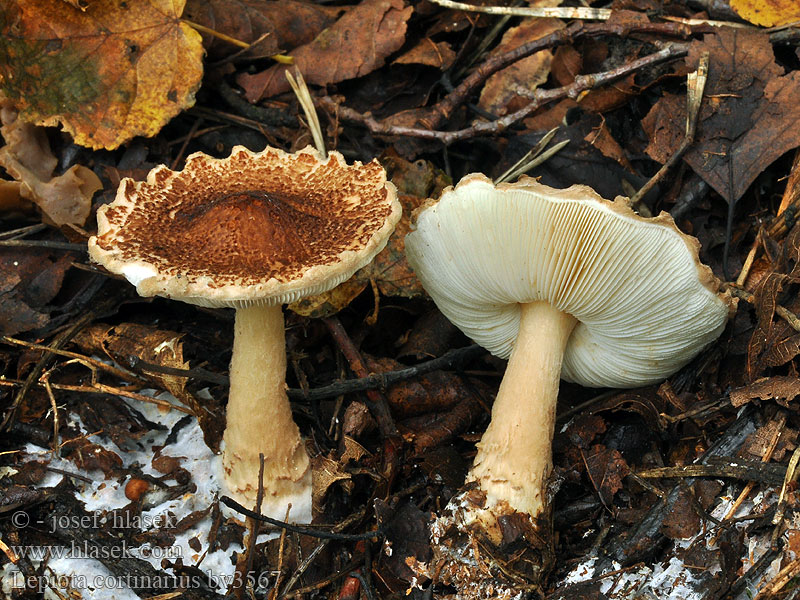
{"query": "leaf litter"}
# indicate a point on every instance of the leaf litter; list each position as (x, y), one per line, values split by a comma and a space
(113, 406)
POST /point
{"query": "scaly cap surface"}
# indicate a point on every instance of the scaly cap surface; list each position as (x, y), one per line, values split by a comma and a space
(267, 227)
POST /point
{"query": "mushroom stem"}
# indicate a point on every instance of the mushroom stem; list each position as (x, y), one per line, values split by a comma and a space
(514, 457)
(260, 420)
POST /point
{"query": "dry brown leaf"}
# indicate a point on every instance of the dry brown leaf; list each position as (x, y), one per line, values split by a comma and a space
(283, 25)
(352, 450)
(107, 74)
(759, 443)
(163, 348)
(748, 115)
(768, 13)
(324, 473)
(331, 302)
(602, 139)
(65, 199)
(504, 92)
(606, 469)
(29, 281)
(390, 270)
(775, 342)
(357, 44)
(683, 520)
(430, 53)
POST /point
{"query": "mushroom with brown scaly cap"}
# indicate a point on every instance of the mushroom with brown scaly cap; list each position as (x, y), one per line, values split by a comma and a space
(252, 231)
(565, 285)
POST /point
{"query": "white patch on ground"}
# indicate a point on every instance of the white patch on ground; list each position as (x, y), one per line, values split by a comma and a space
(671, 579)
(88, 576)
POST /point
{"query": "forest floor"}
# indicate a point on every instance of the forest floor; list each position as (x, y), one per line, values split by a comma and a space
(112, 406)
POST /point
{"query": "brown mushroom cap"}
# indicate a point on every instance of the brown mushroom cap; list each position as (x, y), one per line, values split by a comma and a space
(267, 227)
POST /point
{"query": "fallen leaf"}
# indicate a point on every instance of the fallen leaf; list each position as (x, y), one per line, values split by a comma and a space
(159, 347)
(325, 472)
(92, 457)
(767, 13)
(390, 270)
(683, 520)
(429, 53)
(64, 199)
(758, 444)
(107, 74)
(30, 278)
(775, 342)
(602, 139)
(353, 451)
(357, 420)
(331, 302)
(504, 92)
(282, 25)
(357, 44)
(606, 469)
(747, 119)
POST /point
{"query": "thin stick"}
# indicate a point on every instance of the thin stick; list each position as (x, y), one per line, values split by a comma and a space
(540, 97)
(696, 84)
(85, 360)
(54, 407)
(378, 405)
(45, 244)
(347, 537)
(99, 388)
(451, 359)
(578, 12)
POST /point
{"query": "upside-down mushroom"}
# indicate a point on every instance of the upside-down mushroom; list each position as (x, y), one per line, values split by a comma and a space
(252, 231)
(565, 285)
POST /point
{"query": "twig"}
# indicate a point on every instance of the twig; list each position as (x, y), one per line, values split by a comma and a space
(85, 360)
(329, 535)
(567, 12)
(302, 567)
(451, 359)
(45, 379)
(696, 84)
(22, 231)
(378, 404)
(539, 97)
(771, 474)
(99, 388)
(792, 319)
(42, 363)
(791, 476)
(45, 244)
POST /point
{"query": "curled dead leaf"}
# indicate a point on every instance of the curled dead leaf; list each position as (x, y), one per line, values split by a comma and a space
(64, 199)
(357, 44)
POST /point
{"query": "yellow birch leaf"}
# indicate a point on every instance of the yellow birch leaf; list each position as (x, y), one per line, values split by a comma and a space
(107, 73)
(767, 13)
